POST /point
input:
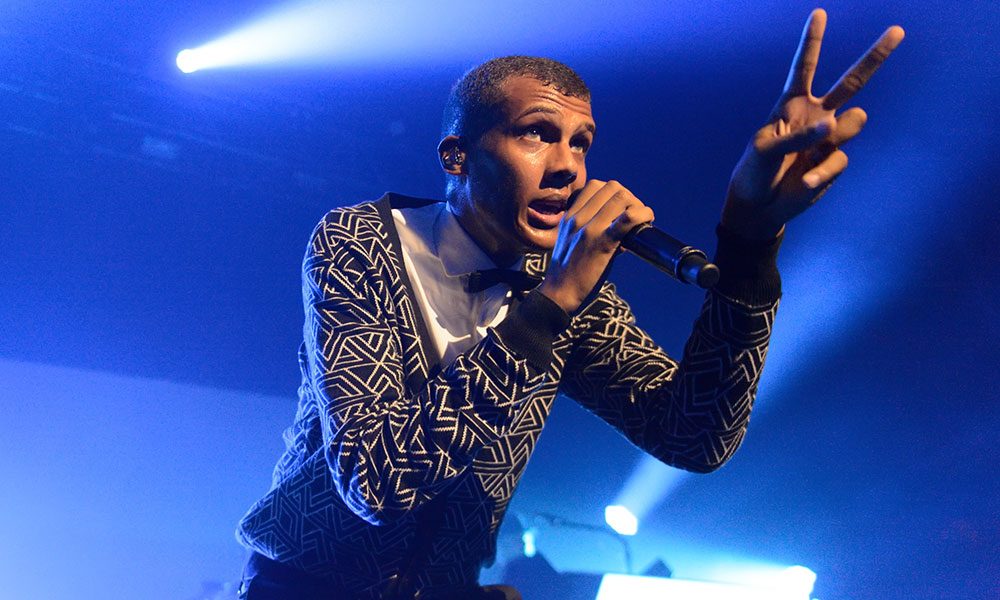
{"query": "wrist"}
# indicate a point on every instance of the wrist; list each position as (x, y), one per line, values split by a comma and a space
(748, 221)
(748, 268)
(531, 328)
(566, 301)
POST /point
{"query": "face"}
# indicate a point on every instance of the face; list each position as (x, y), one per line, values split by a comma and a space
(522, 171)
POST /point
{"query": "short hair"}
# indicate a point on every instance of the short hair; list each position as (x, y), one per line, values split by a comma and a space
(476, 98)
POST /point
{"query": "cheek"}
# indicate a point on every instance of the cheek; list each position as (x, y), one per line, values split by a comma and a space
(498, 177)
(507, 178)
(531, 171)
(522, 166)
(514, 186)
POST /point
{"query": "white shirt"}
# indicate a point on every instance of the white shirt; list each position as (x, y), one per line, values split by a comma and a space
(437, 252)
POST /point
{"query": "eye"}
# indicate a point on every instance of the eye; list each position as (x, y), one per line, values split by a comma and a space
(580, 144)
(532, 132)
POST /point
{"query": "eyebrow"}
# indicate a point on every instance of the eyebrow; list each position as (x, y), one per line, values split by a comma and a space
(549, 110)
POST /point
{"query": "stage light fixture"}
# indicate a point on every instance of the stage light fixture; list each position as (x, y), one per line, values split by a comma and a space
(621, 519)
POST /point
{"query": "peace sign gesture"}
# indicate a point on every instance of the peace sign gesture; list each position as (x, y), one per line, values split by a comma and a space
(793, 159)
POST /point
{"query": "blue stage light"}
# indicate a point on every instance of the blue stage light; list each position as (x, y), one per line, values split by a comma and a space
(330, 32)
(528, 538)
(799, 579)
(187, 61)
(621, 519)
(302, 32)
(632, 587)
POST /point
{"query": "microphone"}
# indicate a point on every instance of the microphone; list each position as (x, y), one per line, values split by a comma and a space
(684, 263)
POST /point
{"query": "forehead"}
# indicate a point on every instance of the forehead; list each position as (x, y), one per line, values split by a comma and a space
(526, 95)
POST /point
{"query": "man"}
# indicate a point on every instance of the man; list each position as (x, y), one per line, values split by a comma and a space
(429, 369)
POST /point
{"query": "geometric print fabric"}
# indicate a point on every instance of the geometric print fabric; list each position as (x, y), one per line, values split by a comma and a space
(384, 450)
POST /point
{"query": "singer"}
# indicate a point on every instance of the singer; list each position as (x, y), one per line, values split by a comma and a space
(437, 334)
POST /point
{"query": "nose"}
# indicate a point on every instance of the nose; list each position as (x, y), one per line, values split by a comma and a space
(561, 169)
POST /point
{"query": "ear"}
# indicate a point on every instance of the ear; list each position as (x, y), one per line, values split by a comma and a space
(451, 152)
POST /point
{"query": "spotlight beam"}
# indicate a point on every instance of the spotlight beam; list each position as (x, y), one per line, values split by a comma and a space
(326, 32)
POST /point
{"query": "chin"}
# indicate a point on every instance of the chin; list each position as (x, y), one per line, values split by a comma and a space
(538, 240)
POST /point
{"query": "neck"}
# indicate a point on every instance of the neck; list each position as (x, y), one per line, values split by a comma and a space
(503, 258)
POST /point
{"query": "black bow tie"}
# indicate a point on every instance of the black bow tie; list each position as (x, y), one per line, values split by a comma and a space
(519, 281)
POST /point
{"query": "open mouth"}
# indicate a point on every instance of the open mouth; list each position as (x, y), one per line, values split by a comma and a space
(546, 213)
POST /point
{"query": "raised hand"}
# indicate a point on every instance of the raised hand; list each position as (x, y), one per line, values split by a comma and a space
(791, 161)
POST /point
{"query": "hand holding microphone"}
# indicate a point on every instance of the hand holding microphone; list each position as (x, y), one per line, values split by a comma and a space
(604, 216)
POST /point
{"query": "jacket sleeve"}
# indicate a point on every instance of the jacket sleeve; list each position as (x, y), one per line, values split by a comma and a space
(391, 449)
(691, 414)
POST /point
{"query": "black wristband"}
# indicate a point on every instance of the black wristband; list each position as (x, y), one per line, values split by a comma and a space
(531, 327)
(748, 269)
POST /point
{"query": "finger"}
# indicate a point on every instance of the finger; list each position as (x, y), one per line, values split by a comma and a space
(580, 199)
(857, 76)
(596, 201)
(769, 145)
(619, 215)
(826, 171)
(634, 215)
(800, 75)
(849, 124)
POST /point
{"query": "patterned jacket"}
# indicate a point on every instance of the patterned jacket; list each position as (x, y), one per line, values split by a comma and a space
(396, 466)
